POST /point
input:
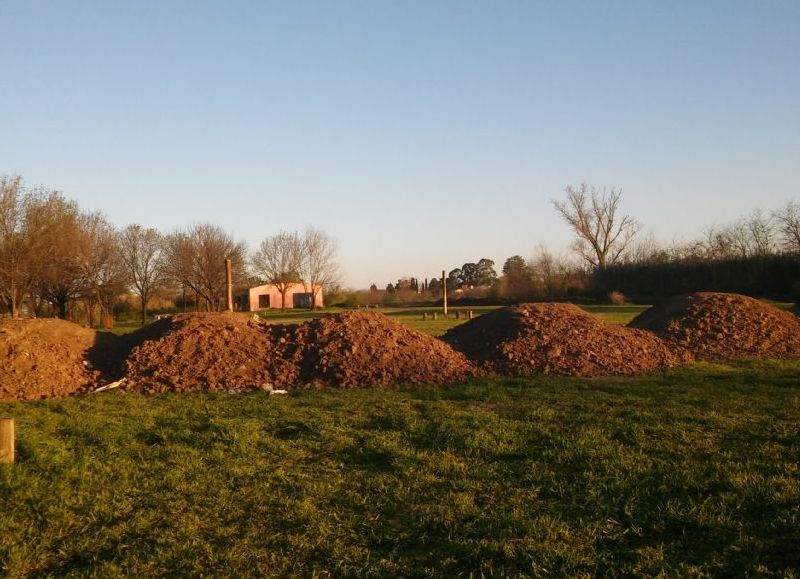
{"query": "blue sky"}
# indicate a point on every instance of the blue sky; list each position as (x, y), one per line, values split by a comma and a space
(421, 135)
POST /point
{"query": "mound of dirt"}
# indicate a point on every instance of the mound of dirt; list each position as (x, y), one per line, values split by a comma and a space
(355, 349)
(44, 358)
(211, 351)
(559, 339)
(718, 326)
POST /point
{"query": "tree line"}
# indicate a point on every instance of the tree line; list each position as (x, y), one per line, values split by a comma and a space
(56, 258)
(758, 254)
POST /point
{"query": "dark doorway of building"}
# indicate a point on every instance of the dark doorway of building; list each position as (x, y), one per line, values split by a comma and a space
(302, 300)
(263, 301)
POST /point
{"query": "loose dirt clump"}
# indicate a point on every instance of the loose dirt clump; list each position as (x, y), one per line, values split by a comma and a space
(719, 326)
(212, 351)
(558, 339)
(355, 349)
(45, 358)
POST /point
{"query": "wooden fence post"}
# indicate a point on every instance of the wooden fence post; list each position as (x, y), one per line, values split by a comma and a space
(444, 293)
(229, 283)
(6, 439)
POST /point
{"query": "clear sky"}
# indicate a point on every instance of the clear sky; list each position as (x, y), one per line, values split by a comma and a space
(421, 135)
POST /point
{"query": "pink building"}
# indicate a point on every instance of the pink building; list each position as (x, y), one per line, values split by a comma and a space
(265, 297)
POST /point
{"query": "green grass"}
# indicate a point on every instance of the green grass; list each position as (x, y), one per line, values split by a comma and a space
(412, 316)
(616, 314)
(690, 472)
(621, 314)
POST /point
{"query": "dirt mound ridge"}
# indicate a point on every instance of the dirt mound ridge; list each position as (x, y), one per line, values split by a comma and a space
(718, 326)
(355, 349)
(44, 358)
(207, 351)
(559, 339)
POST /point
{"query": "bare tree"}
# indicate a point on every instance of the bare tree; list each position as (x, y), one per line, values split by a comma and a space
(788, 218)
(749, 236)
(646, 250)
(279, 260)
(100, 264)
(196, 259)
(761, 230)
(60, 280)
(601, 234)
(721, 242)
(319, 268)
(142, 251)
(30, 222)
(15, 240)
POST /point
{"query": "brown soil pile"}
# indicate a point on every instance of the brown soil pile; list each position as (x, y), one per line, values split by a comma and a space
(558, 339)
(44, 358)
(355, 349)
(214, 351)
(718, 326)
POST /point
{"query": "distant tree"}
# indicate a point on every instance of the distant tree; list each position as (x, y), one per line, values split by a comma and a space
(546, 269)
(142, 252)
(434, 285)
(390, 288)
(752, 236)
(455, 279)
(319, 267)
(646, 250)
(602, 234)
(516, 282)
(195, 258)
(280, 260)
(469, 275)
(718, 243)
(61, 279)
(515, 267)
(102, 270)
(761, 229)
(14, 241)
(788, 220)
(27, 238)
(373, 288)
(485, 273)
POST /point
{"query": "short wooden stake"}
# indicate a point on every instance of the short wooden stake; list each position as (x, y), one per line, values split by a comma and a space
(6, 439)
(458, 315)
(434, 315)
(424, 316)
(469, 314)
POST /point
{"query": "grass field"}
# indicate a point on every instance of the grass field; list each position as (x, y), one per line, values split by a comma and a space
(694, 471)
(412, 316)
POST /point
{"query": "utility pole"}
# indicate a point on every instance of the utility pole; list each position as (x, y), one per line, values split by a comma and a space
(444, 292)
(229, 279)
